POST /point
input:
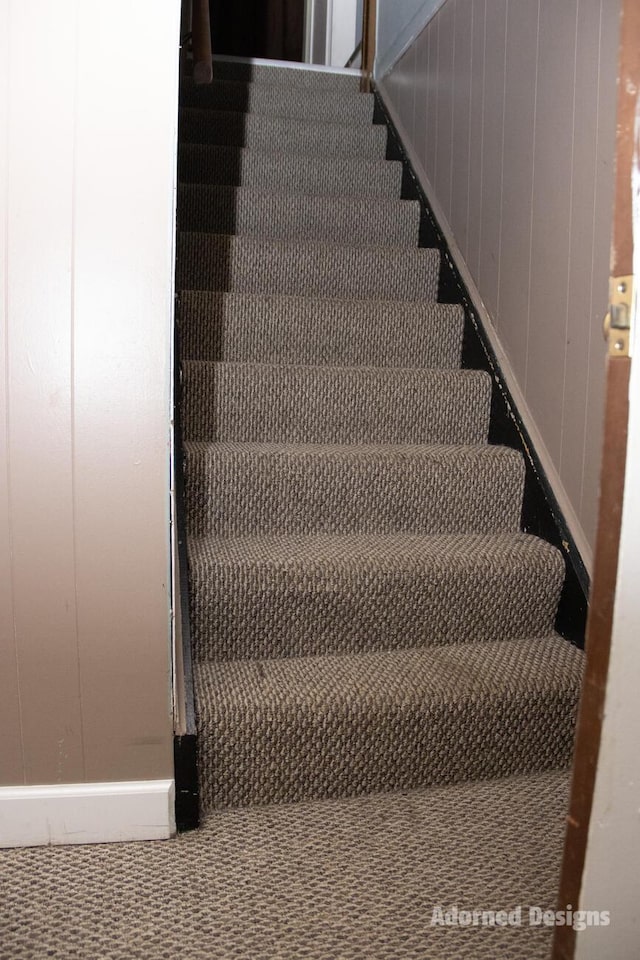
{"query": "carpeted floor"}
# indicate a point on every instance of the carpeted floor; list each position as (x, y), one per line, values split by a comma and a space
(328, 880)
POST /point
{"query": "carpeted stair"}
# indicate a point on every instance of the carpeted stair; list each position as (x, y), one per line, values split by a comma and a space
(367, 616)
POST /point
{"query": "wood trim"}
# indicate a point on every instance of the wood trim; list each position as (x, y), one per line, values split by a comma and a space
(600, 620)
(72, 813)
(201, 36)
(368, 44)
(598, 647)
(628, 85)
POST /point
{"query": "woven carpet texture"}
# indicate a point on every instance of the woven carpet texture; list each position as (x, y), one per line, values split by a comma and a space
(293, 100)
(297, 596)
(290, 330)
(331, 880)
(224, 209)
(297, 488)
(277, 403)
(253, 264)
(325, 175)
(298, 135)
(282, 730)
(366, 613)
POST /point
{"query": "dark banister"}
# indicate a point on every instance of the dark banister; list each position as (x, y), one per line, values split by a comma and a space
(201, 38)
(368, 44)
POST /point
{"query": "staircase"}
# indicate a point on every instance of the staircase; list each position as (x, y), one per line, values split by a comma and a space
(367, 616)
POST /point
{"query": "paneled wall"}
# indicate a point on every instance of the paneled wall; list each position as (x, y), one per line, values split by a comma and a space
(87, 168)
(509, 109)
(398, 24)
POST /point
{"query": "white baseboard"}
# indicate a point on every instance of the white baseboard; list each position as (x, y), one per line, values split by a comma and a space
(86, 813)
(510, 379)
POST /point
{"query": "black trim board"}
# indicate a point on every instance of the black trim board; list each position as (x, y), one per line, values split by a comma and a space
(541, 513)
(185, 766)
(185, 745)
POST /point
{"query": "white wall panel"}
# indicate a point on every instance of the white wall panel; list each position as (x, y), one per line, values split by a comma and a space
(515, 140)
(88, 160)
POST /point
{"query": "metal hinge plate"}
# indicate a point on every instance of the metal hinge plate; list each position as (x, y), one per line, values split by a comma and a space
(617, 323)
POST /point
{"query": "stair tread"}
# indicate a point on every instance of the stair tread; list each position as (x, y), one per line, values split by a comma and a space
(329, 371)
(285, 99)
(207, 261)
(240, 211)
(224, 192)
(340, 724)
(438, 452)
(289, 329)
(422, 676)
(382, 249)
(266, 596)
(214, 115)
(232, 83)
(242, 83)
(256, 72)
(380, 549)
(234, 488)
(259, 402)
(319, 136)
(326, 175)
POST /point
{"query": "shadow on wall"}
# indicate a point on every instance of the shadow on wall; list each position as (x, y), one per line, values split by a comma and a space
(258, 28)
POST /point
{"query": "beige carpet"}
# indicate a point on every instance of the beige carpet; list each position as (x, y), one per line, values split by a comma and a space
(330, 880)
(349, 632)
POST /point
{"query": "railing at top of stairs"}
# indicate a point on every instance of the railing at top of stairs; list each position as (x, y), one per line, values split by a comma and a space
(368, 43)
(196, 20)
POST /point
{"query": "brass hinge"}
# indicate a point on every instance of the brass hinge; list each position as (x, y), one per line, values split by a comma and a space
(617, 323)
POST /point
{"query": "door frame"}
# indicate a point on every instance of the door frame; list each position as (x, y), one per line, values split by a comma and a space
(592, 762)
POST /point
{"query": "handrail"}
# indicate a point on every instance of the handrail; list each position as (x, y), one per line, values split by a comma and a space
(201, 40)
(368, 44)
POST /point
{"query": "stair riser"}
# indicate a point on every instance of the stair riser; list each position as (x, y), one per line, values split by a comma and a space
(245, 493)
(269, 404)
(271, 133)
(300, 330)
(360, 749)
(249, 265)
(251, 610)
(238, 72)
(348, 221)
(300, 103)
(288, 172)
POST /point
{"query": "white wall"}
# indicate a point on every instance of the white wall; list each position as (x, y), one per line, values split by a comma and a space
(508, 108)
(610, 879)
(343, 31)
(399, 23)
(333, 30)
(88, 108)
(612, 864)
